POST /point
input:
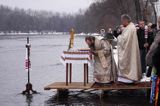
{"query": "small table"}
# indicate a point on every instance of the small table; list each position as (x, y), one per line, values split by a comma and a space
(69, 58)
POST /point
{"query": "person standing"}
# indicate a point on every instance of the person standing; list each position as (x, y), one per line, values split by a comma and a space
(143, 45)
(129, 65)
(153, 59)
(151, 36)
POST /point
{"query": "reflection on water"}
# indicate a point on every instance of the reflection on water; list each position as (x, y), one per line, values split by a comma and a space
(46, 69)
(29, 99)
(117, 98)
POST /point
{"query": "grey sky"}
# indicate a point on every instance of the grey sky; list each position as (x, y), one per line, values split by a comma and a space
(69, 6)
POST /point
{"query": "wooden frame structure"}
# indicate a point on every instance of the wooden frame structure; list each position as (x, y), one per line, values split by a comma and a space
(114, 86)
(69, 74)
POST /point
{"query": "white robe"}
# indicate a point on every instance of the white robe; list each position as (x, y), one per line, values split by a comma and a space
(129, 65)
(104, 64)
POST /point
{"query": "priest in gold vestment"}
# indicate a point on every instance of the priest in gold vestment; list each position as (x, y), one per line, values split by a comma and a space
(104, 64)
(129, 65)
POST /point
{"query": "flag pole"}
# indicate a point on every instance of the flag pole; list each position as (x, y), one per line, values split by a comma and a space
(28, 55)
(28, 65)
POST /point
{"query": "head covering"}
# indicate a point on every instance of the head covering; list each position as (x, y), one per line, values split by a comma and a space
(149, 24)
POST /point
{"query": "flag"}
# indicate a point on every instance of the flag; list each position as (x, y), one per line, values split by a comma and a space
(27, 61)
(153, 88)
(157, 92)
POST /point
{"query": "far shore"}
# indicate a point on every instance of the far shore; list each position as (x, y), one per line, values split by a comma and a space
(44, 33)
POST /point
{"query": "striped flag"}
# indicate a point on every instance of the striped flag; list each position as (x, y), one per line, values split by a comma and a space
(146, 32)
(27, 61)
(153, 88)
(157, 91)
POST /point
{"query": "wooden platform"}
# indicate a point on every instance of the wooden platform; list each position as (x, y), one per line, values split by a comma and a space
(140, 85)
(80, 85)
(62, 85)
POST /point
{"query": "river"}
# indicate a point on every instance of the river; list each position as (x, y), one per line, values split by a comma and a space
(45, 69)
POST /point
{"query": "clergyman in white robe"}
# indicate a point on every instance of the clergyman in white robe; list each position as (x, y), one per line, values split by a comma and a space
(104, 64)
(129, 65)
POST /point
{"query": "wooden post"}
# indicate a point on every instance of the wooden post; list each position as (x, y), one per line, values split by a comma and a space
(66, 74)
(70, 69)
(84, 75)
(87, 73)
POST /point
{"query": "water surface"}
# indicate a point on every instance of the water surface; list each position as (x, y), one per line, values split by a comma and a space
(46, 68)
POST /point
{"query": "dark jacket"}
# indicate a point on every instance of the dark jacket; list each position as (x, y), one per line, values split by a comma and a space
(150, 39)
(141, 38)
(156, 59)
(153, 56)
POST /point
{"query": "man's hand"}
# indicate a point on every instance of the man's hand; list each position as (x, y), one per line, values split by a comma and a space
(146, 45)
(91, 53)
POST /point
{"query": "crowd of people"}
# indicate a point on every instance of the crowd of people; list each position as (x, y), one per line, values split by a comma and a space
(138, 48)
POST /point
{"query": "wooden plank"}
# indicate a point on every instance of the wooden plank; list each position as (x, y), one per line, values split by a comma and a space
(140, 85)
(73, 85)
(80, 85)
